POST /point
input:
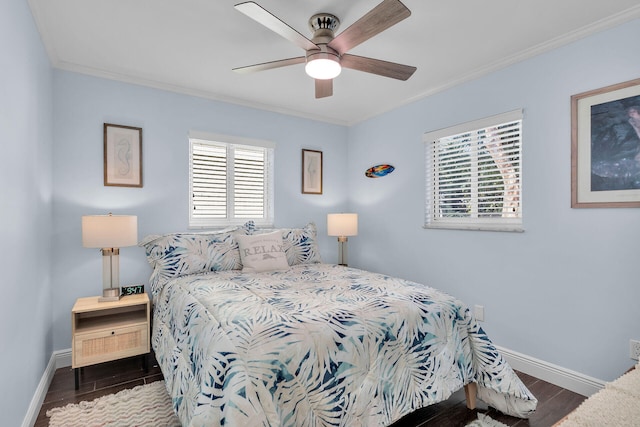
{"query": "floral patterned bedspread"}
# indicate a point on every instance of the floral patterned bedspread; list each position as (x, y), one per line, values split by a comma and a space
(320, 345)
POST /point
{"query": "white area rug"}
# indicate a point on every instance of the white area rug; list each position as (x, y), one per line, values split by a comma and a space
(617, 404)
(145, 405)
(485, 421)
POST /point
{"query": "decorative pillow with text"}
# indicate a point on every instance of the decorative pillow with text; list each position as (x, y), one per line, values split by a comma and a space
(300, 244)
(262, 252)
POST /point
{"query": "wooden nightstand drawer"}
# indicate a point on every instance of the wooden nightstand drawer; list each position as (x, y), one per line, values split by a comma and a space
(110, 344)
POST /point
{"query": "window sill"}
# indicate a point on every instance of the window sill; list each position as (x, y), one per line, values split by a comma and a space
(229, 224)
(477, 227)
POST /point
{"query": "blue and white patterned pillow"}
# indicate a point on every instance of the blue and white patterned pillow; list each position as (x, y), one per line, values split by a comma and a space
(179, 254)
(300, 244)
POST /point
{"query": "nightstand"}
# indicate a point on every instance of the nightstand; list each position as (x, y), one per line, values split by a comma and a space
(106, 331)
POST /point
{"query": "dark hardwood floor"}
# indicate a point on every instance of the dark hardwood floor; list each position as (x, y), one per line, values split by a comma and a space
(553, 404)
(99, 380)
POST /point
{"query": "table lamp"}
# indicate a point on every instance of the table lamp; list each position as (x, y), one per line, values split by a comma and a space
(342, 225)
(109, 233)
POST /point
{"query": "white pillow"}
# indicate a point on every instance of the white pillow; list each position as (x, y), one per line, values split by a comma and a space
(262, 252)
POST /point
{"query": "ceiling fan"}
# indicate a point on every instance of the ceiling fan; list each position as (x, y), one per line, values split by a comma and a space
(326, 53)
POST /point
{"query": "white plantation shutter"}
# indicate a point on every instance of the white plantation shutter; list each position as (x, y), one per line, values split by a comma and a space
(474, 175)
(249, 182)
(230, 183)
(208, 181)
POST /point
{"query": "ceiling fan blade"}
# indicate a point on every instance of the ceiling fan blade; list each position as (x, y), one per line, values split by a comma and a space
(269, 65)
(324, 88)
(377, 66)
(378, 19)
(264, 17)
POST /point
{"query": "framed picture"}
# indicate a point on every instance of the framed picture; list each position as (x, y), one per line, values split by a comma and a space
(311, 172)
(122, 156)
(605, 147)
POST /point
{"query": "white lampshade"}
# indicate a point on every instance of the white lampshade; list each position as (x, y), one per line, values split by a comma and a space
(342, 224)
(323, 66)
(109, 231)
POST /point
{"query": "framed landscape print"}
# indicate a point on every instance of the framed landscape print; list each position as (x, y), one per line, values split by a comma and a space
(605, 147)
(122, 156)
(311, 172)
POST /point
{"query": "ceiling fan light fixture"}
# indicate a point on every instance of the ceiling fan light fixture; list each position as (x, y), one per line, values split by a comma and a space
(323, 65)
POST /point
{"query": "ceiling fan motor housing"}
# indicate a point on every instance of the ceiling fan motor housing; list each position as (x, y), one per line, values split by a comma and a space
(323, 26)
(324, 21)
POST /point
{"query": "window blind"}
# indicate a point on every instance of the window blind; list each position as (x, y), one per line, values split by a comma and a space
(474, 178)
(209, 181)
(230, 183)
(249, 182)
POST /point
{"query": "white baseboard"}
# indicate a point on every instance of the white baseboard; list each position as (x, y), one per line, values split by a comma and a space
(562, 377)
(63, 358)
(58, 359)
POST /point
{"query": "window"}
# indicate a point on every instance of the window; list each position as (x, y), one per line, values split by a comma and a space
(230, 181)
(474, 176)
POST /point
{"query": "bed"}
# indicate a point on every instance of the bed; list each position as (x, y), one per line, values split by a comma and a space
(250, 328)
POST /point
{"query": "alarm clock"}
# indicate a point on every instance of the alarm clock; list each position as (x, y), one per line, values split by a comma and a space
(132, 290)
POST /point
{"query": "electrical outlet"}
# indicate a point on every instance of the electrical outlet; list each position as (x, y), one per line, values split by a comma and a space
(634, 349)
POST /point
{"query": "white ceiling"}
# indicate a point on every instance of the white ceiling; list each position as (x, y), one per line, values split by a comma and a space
(190, 46)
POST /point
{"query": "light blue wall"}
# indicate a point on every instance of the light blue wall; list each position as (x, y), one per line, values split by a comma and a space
(25, 210)
(82, 104)
(567, 290)
(568, 295)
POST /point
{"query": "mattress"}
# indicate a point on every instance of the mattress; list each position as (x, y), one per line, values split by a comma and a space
(320, 345)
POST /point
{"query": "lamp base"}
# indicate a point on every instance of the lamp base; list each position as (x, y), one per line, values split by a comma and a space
(110, 294)
(342, 250)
